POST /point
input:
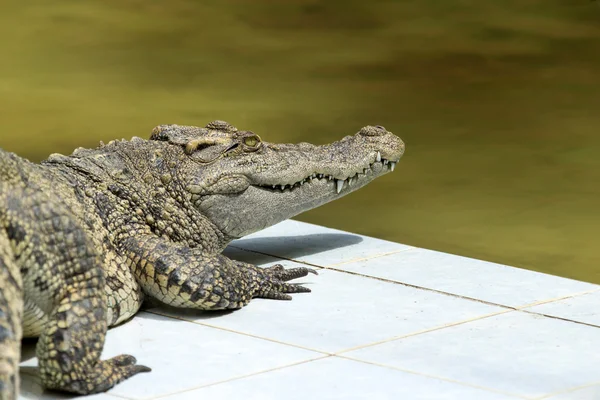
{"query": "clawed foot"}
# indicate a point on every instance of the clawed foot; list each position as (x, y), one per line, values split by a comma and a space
(104, 376)
(274, 283)
(115, 370)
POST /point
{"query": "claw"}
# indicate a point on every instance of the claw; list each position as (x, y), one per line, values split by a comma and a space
(141, 368)
(294, 288)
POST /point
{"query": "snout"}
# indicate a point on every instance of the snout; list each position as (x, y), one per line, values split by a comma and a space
(377, 137)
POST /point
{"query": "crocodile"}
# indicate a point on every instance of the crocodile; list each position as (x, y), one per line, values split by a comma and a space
(85, 238)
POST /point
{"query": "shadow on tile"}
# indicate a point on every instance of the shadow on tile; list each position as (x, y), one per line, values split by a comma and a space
(182, 313)
(300, 245)
(251, 257)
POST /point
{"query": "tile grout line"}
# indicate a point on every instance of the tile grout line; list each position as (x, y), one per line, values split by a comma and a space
(437, 328)
(568, 296)
(560, 318)
(570, 390)
(431, 376)
(420, 288)
(239, 377)
(326, 353)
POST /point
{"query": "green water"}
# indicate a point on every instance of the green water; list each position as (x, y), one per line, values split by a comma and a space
(498, 102)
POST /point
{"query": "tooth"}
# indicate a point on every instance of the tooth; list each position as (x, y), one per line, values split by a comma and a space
(378, 159)
(330, 177)
(392, 166)
(274, 186)
(385, 162)
(313, 176)
(301, 183)
(339, 185)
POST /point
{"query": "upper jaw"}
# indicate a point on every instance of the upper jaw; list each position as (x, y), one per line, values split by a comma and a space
(350, 158)
(375, 166)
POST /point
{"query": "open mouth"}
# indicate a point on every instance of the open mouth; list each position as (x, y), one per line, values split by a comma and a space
(379, 166)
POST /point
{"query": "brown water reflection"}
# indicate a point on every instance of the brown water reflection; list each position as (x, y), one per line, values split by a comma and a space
(497, 102)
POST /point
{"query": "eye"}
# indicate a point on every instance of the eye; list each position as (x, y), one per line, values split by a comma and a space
(252, 141)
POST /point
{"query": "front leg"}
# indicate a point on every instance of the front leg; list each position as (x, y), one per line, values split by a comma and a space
(186, 277)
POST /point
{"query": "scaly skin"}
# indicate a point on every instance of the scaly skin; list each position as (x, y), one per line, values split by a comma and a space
(83, 238)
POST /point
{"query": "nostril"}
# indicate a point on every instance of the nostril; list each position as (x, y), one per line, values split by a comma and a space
(380, 127)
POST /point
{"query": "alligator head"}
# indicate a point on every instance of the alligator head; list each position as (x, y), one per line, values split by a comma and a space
(243, 184)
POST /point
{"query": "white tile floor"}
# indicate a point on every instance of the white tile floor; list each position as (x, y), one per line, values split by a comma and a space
(384, 321)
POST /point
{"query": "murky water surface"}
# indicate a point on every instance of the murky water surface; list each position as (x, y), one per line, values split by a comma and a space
(498, 102)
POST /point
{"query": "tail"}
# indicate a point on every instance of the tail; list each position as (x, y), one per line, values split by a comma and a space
(11, 311)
